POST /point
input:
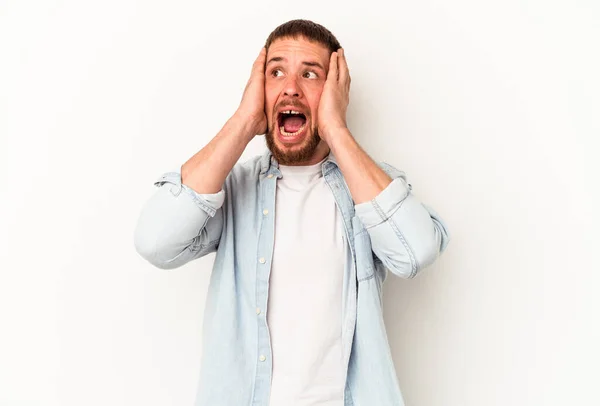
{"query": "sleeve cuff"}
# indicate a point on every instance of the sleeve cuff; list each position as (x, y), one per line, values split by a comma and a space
(209, 202)
(381, 208)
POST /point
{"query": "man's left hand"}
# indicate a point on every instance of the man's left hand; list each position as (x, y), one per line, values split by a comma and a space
(335, 97)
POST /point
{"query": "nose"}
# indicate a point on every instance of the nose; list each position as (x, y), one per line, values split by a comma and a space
(291, 88)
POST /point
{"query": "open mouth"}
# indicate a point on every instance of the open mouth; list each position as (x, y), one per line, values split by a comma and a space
(291, 122)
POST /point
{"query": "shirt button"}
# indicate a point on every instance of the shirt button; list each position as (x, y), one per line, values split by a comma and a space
(270, 175)
(258, 310)
(262, 260)
(262, 358)
(265, 212)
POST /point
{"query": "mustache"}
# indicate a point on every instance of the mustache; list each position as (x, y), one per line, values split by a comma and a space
(292, 103)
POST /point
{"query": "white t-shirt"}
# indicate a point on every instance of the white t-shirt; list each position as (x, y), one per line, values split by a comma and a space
(304, 312)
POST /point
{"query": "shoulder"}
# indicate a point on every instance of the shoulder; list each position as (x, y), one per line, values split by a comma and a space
(245, 176)
(248, 169)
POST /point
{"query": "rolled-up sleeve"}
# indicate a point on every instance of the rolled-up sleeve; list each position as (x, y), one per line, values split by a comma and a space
(406, 235)
(177, 224)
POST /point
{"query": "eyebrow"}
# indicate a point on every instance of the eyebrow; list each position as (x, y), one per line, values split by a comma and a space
(307, 63)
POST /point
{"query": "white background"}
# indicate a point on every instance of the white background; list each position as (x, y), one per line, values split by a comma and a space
(491, 108)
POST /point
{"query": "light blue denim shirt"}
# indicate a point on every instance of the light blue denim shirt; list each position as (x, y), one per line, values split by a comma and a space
(394, 231)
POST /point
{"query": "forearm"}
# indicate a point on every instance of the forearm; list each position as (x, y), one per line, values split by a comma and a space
(205, 172)
(364, 177)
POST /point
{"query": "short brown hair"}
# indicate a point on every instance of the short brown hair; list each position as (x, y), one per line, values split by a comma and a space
(305, 28)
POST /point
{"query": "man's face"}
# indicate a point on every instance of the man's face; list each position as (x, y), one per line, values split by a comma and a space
(295, 74)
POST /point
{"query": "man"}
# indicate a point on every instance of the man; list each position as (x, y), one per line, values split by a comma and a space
(303, 234)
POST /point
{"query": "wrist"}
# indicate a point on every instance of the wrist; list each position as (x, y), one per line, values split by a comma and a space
(243, 125)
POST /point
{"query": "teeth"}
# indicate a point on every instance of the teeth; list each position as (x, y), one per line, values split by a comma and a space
(290, 112)
(286, 134)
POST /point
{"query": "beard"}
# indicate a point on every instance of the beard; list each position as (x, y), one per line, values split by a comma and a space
(295, 156)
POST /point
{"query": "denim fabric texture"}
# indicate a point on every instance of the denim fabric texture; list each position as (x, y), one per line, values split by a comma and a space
(394, 232)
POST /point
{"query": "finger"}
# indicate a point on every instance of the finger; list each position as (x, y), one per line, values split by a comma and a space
(258, 68)
(343, 67)
(333, 67)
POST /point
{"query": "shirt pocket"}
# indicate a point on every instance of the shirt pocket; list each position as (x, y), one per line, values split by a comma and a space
(365, 268)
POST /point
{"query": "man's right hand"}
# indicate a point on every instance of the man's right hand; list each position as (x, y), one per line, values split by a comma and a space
(207, 170)
(252, 108)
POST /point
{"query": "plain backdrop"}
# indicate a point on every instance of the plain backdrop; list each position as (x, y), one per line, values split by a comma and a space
(490, 107)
